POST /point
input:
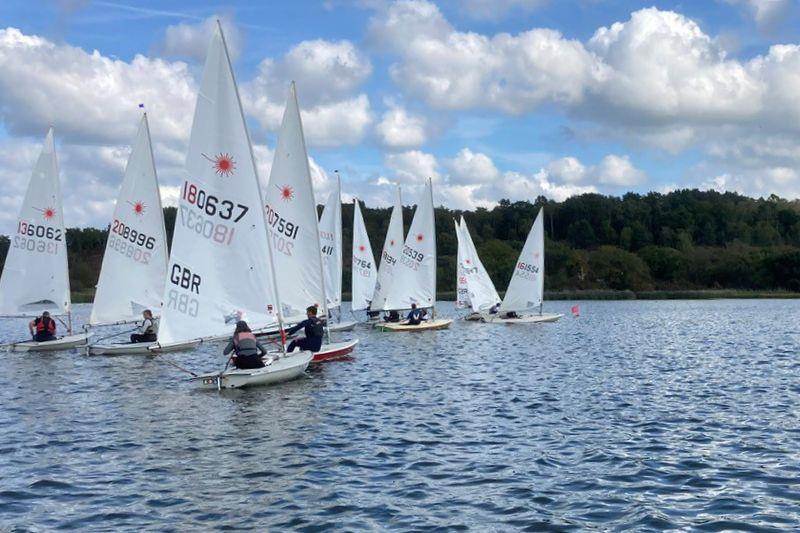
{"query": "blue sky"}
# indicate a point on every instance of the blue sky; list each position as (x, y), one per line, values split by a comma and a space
(493, 99)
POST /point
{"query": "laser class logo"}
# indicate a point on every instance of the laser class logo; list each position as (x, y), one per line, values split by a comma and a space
(138, 208)
(361, 247)
(47, 213)
(222, 163)
(420, 237)
(287, 193)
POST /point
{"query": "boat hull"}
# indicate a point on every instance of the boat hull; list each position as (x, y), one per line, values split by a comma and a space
(138, 348)
(280, 369)
(525, 319)
(64, 343)
(342, 326)
(334, 350)
(439, 323)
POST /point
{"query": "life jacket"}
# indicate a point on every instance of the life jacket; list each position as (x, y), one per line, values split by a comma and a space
(150, 330)
(242, 335)
(42, 326)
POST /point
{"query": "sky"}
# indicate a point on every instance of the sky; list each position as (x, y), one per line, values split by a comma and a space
(491, 99)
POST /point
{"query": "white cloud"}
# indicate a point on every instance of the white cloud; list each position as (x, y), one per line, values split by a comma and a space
(400, 129)
(470, 167)
(618, 171)
(326, 74)
(567, 169)
(88, 97)
(190, 41)
(413, 167)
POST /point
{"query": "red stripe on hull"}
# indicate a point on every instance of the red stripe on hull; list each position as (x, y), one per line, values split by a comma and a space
(319, 357)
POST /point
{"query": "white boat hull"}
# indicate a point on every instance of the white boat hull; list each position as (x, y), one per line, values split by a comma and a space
(427, 325)
(524, 319)
(134, 348)
(179, 346)
(278, 370)
(342, 326)
(63, 343)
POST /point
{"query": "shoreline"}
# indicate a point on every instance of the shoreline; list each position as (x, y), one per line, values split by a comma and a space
(84, 297)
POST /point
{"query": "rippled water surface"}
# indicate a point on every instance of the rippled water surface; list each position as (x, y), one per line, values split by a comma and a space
(637, 414)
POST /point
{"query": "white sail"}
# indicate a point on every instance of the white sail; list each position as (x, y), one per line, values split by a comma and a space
(392, 247)
(364, 273)
(219, 268)
(414, 279)
(462, 289)
(135, 262)
(35, 276)
(526, 288)
(330, 236)
(292, 219)
(482, 294)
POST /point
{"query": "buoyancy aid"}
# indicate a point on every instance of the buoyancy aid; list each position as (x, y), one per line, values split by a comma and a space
(244, 343)
(45, 324)
(314, 328)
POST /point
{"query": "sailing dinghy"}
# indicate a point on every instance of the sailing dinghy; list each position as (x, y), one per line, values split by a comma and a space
(363, 272)
(220, 268)
(476, 291)
(526, 289)
(294, 229)
(135, 262)
(392, 247)
(35, 276)
(414, 274)
(330, 237)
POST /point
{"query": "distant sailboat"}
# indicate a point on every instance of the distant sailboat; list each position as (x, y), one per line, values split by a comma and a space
(525, 291)
(392, 246)
(414, 276)
(330, 236)
(294, 230)
(364, 273)
(135, 262)
(220, 268)
(475, 288)
(35, 276)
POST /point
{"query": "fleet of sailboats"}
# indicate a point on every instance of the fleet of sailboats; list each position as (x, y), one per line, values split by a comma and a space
(243, 252)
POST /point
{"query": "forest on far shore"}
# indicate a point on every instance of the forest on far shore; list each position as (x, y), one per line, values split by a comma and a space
(682, 240)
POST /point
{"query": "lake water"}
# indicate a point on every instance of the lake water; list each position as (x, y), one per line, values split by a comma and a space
(647, 415)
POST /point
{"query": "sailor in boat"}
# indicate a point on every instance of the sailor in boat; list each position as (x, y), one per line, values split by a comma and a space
(43, 328)
(415, 317)
(247, 350)
(148, 330)
(393, 316)
(372, 315)
(510, 314)
(313, 330)
(493, 310)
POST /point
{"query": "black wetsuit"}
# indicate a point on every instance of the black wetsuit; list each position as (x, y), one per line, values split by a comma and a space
(313, 339)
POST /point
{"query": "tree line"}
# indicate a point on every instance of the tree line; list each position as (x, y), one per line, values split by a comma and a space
(686, 239)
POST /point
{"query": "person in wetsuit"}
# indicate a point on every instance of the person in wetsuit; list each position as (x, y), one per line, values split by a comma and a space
(43, 328)
(414, 317)
(148, 331)
(247, 350)
(393, 316)
(313, 330)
